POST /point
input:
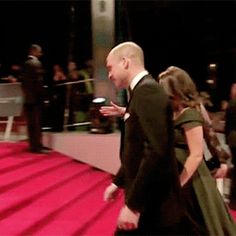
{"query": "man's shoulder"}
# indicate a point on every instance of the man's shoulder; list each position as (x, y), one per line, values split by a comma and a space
(32, 62)
(149, 89)
(29, 60)
(232, 101)
(148, 81)
(231, 105)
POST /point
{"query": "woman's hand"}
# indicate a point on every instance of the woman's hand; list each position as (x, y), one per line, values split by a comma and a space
(222, 171)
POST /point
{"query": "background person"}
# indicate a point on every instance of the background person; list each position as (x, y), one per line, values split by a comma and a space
(58, 100)
(230, 134)
(32, 85)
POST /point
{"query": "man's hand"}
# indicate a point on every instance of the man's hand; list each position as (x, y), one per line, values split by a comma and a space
(111, 193)
(128, 219)
(113, 110)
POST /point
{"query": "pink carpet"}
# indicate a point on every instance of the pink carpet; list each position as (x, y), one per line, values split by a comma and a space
(52, 195)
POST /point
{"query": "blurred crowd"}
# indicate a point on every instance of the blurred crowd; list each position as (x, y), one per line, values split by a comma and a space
(64, 102)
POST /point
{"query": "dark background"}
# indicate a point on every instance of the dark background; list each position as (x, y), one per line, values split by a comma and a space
(189, 34)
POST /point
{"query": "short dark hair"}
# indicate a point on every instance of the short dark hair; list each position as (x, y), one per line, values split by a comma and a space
(34, 47)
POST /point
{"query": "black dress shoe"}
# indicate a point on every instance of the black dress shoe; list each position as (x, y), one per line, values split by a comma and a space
(46, 148)
(41, 151)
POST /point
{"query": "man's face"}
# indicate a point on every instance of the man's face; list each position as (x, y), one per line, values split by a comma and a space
(233, 91)
(37, 52)
(116, 71)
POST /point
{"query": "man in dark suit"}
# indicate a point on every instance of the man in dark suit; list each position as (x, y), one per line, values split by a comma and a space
(32, 85)
(230, 135)
(148, 171)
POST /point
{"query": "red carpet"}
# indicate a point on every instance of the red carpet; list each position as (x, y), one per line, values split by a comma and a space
(52, 195)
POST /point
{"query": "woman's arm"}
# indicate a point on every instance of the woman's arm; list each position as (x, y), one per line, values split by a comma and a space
(195, 142)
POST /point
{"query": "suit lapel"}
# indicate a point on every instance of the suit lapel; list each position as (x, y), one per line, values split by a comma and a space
(131, 92)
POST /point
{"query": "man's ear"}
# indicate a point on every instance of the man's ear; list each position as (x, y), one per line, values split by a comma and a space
(125, 62)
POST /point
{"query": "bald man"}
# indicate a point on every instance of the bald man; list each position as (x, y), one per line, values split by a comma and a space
(148, 171)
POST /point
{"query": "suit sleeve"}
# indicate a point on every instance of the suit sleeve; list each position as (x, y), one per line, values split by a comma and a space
(119, 178)
(155, 118)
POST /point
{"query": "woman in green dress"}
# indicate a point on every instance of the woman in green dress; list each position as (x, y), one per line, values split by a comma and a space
(203, 200)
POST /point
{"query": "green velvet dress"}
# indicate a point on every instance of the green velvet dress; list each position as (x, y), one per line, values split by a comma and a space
(202, 198)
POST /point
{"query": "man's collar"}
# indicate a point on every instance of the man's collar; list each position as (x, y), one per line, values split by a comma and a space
(33, 57)
(137, 78)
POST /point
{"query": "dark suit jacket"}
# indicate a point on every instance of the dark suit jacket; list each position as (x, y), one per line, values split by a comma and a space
(148, 171)
(32, 81)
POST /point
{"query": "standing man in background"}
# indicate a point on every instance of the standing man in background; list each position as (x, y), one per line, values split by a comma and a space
(32, 84)
(148, 171)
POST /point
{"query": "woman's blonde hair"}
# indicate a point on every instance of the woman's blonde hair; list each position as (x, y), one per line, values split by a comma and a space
(177, 82)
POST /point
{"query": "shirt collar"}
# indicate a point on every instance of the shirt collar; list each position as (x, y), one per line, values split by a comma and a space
(33, 57)
(137, 78)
